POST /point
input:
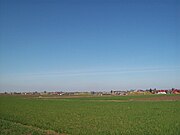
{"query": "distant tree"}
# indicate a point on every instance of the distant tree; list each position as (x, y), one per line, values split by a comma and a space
(154, 91)
(150, 90)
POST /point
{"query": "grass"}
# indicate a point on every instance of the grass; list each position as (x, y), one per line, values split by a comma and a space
(88, 116)
(13, 128)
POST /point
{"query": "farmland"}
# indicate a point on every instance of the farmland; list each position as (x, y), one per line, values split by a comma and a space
(111, 115)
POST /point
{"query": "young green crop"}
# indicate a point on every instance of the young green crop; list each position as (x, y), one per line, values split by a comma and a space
(90, 116)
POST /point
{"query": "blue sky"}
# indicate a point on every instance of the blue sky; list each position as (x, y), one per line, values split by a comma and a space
(89, 44)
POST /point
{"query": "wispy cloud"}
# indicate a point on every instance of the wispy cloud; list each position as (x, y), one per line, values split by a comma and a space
(106, 71)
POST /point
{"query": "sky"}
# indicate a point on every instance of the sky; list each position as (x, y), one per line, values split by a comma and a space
(89, 45)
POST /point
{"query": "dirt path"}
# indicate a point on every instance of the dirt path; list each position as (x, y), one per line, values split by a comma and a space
(153, 98)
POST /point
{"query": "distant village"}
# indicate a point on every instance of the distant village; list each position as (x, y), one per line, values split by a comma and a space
(95, 93)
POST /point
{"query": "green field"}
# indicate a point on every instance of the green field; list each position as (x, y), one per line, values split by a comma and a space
(88, 116)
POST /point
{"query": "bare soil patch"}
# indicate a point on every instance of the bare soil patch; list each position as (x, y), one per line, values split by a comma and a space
(160, 98)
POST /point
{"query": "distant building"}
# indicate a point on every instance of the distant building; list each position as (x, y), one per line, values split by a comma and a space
(161, 92)
(175, 91)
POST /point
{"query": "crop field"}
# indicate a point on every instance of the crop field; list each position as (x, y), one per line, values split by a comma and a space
(109, 115)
